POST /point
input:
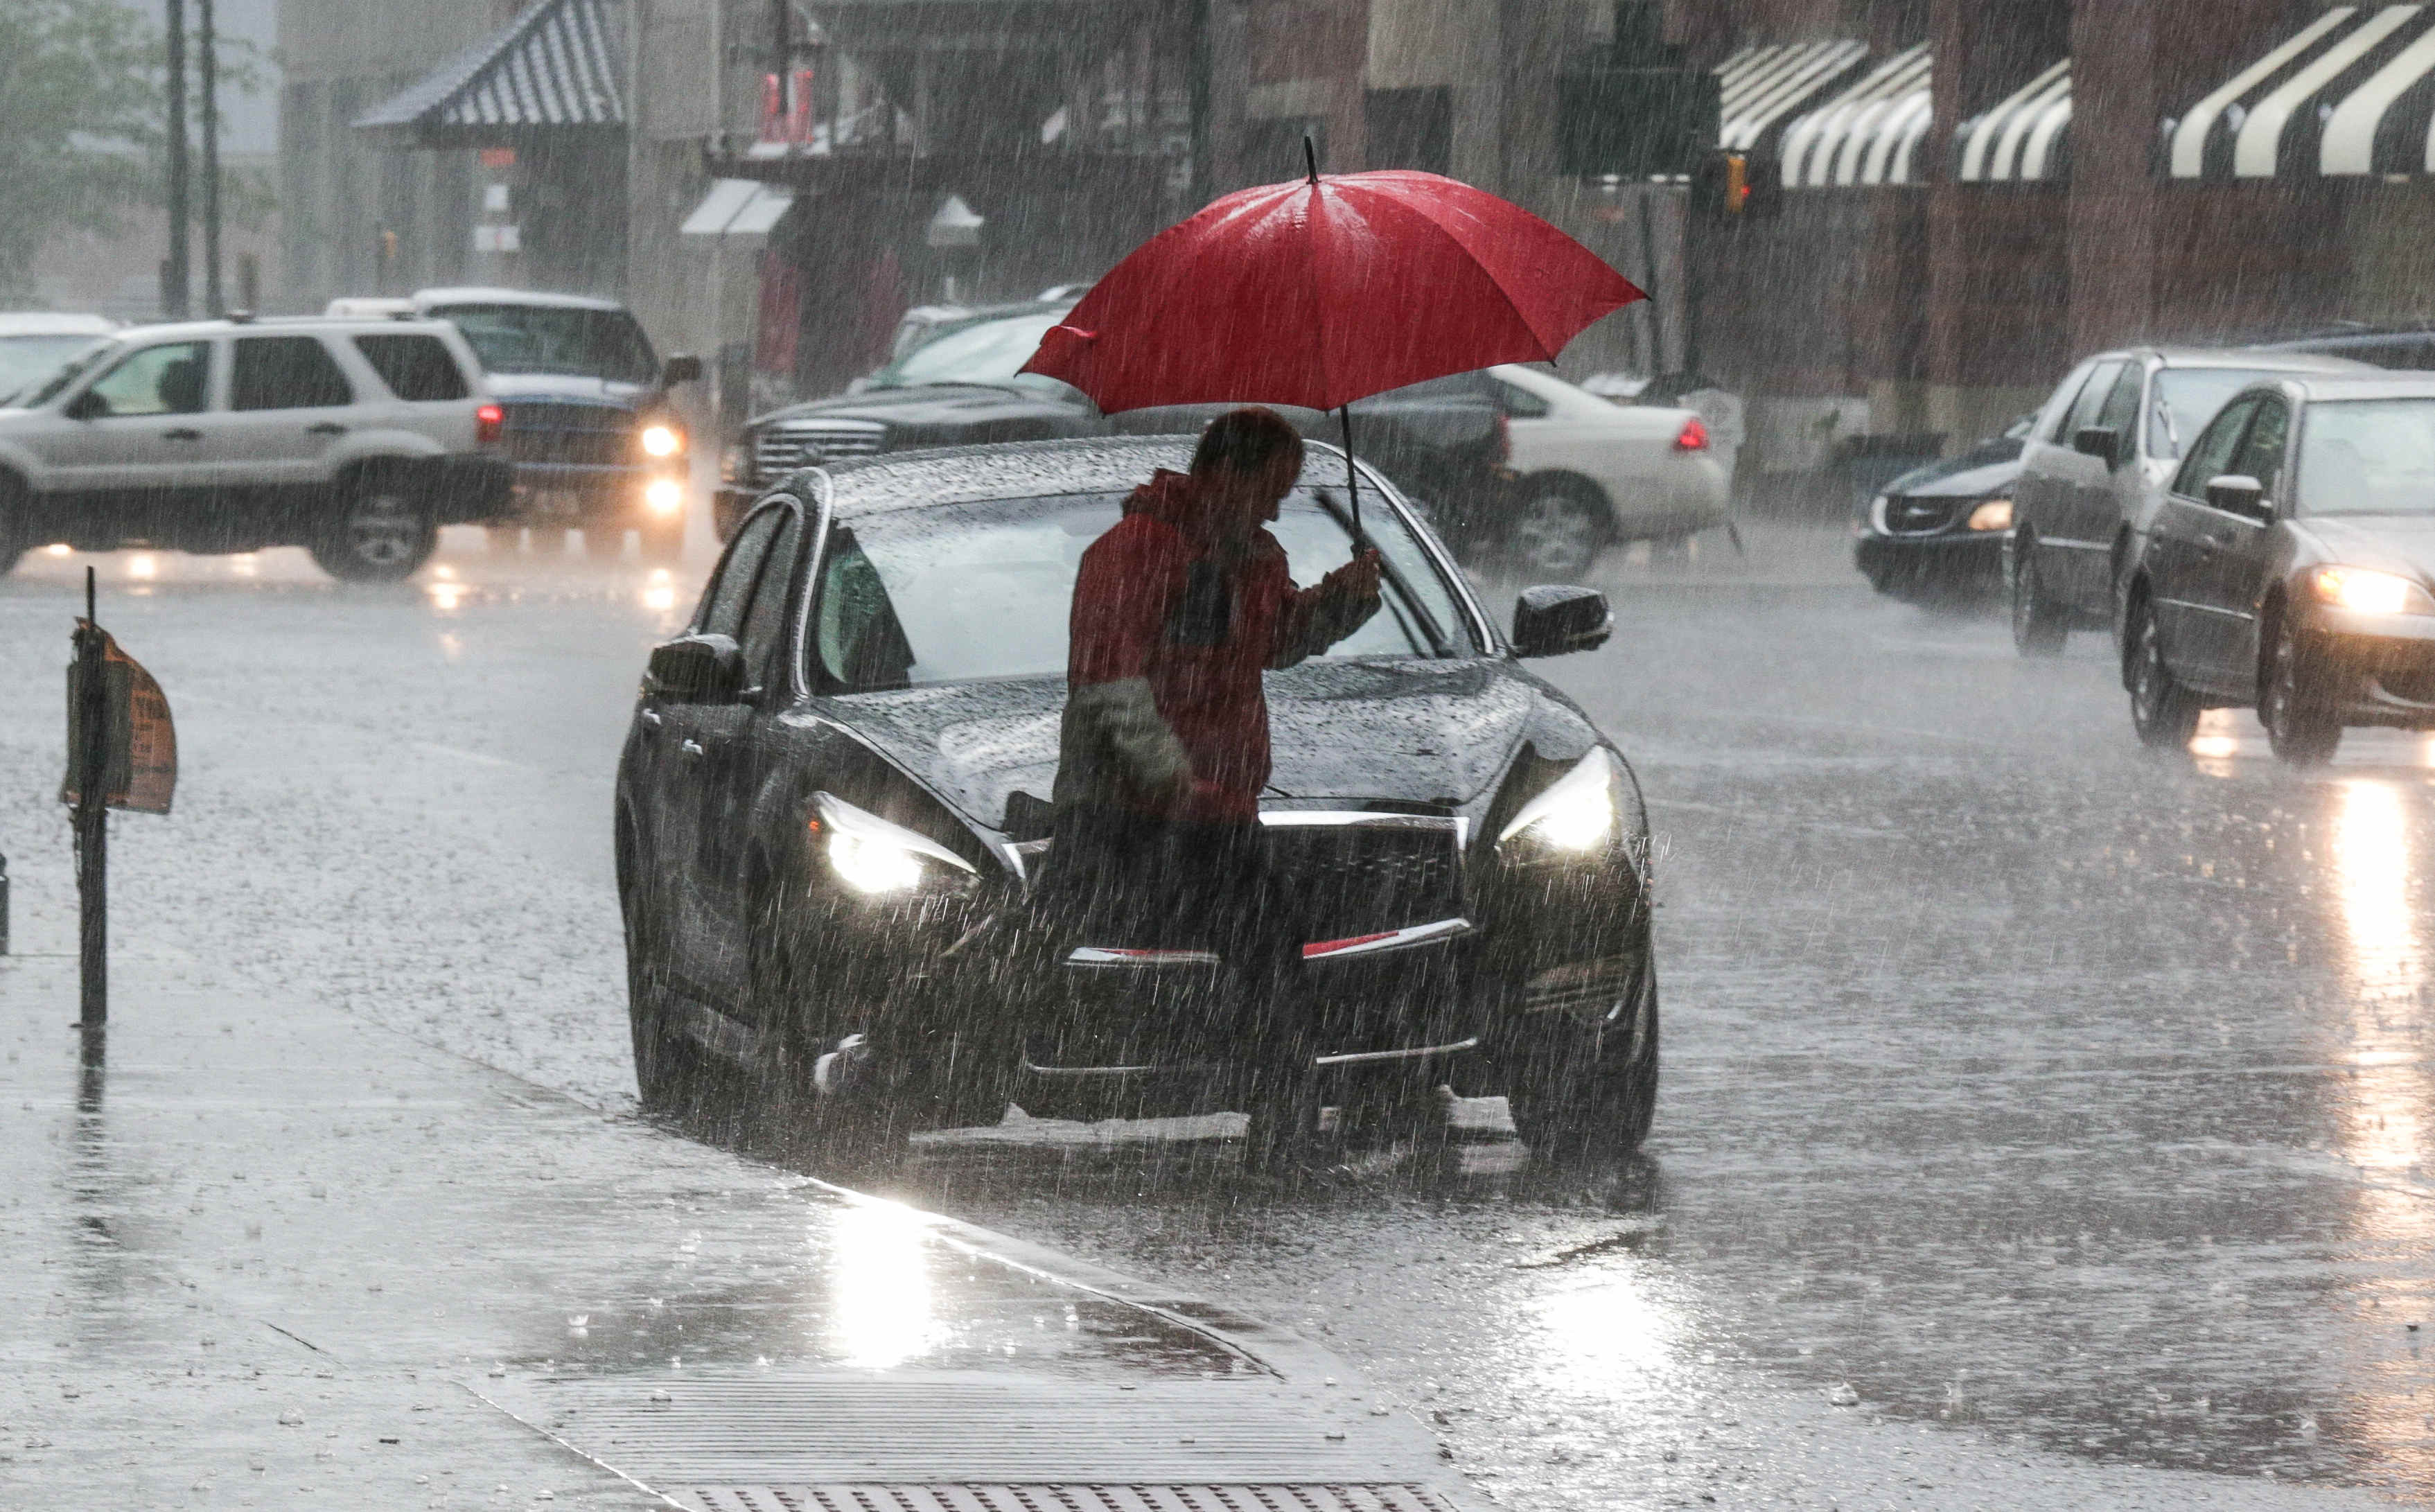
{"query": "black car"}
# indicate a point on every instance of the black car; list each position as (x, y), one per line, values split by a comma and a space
(835, 798)
(956, 385)
(1937, 532)
(2291, 567)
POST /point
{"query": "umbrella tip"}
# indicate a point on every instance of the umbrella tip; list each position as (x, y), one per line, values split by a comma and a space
(1310, 156)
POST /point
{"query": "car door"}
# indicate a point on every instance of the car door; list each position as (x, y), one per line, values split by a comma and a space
(2175, 552)
(676, 737)
(2108, 509)
(2232, 549)
(2037, 501)
(2074, 550)
(136, 432)
(289, 404)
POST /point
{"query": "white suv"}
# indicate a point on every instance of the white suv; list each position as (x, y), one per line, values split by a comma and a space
(356, 438)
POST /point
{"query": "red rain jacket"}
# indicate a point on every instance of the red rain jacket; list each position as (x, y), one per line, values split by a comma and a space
(1171, 629)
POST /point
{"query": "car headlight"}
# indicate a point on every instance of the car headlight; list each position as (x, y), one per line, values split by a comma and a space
(2364, 591)
(664, 496)
(1877, 515)
(1995, 514)
(1578, 813)
(662, 439)
(875, 857)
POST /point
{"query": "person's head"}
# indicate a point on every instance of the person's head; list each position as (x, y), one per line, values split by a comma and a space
(1247, 462)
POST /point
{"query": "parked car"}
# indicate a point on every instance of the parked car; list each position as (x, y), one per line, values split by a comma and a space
(2292, 568)
(36, 344)
(2094, 467)
(1510, 459)
(842, 769)
(2409, 348)
(355, 439)
(1937, 533)
(596, 443)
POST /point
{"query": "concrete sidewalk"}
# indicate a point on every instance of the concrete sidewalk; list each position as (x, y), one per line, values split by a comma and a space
(262, 1254)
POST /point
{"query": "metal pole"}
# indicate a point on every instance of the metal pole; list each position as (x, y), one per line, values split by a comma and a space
(178, 274)
(1203, 150)
(207, 76)
(91, 822)
(1649, 269)
(1352, 484)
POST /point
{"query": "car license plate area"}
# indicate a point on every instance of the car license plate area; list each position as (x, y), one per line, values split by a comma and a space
(1351, 880)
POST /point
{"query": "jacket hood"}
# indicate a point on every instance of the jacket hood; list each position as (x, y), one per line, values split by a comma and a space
(2403, 543)
(1435, 733)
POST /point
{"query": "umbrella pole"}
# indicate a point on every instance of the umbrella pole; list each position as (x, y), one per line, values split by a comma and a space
(1352, 485)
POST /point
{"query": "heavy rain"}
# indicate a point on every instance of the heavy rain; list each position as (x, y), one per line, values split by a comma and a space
(1345, 754)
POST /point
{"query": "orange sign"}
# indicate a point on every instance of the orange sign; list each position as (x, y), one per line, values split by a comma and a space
(143, 769)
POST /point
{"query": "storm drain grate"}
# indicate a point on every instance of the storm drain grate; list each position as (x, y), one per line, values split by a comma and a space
(855, 1497)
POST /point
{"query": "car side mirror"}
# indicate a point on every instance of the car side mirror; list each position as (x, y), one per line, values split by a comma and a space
(1550, 621)
(86, 405)
(698, 669)
(2102, 442)
(2239, 493)
(682, 368)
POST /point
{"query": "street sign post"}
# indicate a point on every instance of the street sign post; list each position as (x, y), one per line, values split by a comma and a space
(122, 754)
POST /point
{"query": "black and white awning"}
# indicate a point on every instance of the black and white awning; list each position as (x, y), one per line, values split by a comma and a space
(1868, 134)
(1766, 88)
(556, 65)
(2352, 93)
(2025, 139)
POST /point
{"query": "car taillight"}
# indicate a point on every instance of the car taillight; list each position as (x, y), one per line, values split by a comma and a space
(1693, 436)
(489, 421)
(1504, 439)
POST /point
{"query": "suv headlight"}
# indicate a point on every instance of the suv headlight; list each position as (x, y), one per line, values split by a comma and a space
(660, 438)
(2363, 591)
(1575, 816)
(877, 858)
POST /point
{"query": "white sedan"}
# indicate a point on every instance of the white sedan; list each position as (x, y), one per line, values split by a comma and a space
(1591, 473)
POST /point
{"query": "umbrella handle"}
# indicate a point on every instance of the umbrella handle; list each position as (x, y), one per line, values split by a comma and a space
(1352, 480)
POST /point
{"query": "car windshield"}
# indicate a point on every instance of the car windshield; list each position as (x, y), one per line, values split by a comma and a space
(2184, 399)
(69, 373)
(25, 361)
(607, 344)
(969, 593)
(2368, 456)
(985, 352)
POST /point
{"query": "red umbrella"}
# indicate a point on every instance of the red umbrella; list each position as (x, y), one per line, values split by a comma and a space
(1327, 290)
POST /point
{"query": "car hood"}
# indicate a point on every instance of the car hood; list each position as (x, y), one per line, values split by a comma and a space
(1943, 481)
(1435, 733)
(2394, 542)
(566, 386)
(943, 404)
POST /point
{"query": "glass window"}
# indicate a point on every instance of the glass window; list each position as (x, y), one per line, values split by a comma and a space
(2209, 457)
(765, 622)
(1520, 403)
(418, 369)
(970, 592)
(2120, 411)
(2186, 398)
(984, 352)
(72, 371)
(2092, 398)
(724, 600)
(2368, 456)
(286, 372)
(2050, 419)
(25, 361)
(2261, 453)
(172, 378)
(552, 339)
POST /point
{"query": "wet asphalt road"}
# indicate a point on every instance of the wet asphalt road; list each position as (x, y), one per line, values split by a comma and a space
(2061, 1111)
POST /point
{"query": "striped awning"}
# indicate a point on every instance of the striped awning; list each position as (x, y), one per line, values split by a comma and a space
(2025, 138)
(556, 65)
(1870, 133)
(2352, 93)
(1765, 88)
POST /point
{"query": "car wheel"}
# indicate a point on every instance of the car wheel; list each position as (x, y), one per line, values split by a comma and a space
(2164, 712)
(1555, 536)
(820, 1090)
(13, 527)
(668, 1067)
(381, 534)
(2301, 722)
(2038, 625)
(1586, 1092)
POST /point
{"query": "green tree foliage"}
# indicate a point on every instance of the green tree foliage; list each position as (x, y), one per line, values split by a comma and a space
(82, 113)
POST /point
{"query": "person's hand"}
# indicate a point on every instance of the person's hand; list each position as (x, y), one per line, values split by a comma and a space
(1357, 579)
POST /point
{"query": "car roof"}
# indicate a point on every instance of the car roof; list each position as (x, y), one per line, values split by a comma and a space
(54, 323)
(425, 299)
(367, 324)
(2248, 357)
(1022, 470)
(2377, 383)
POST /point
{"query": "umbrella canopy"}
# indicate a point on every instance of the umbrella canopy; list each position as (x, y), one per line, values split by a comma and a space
(1327, 290)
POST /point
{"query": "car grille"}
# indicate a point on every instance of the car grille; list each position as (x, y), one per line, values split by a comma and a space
(782, 446)
(569, 435)
(1922, 517)
(1349, 880)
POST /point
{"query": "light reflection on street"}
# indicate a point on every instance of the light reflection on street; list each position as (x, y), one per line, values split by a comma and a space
(879, 1285)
